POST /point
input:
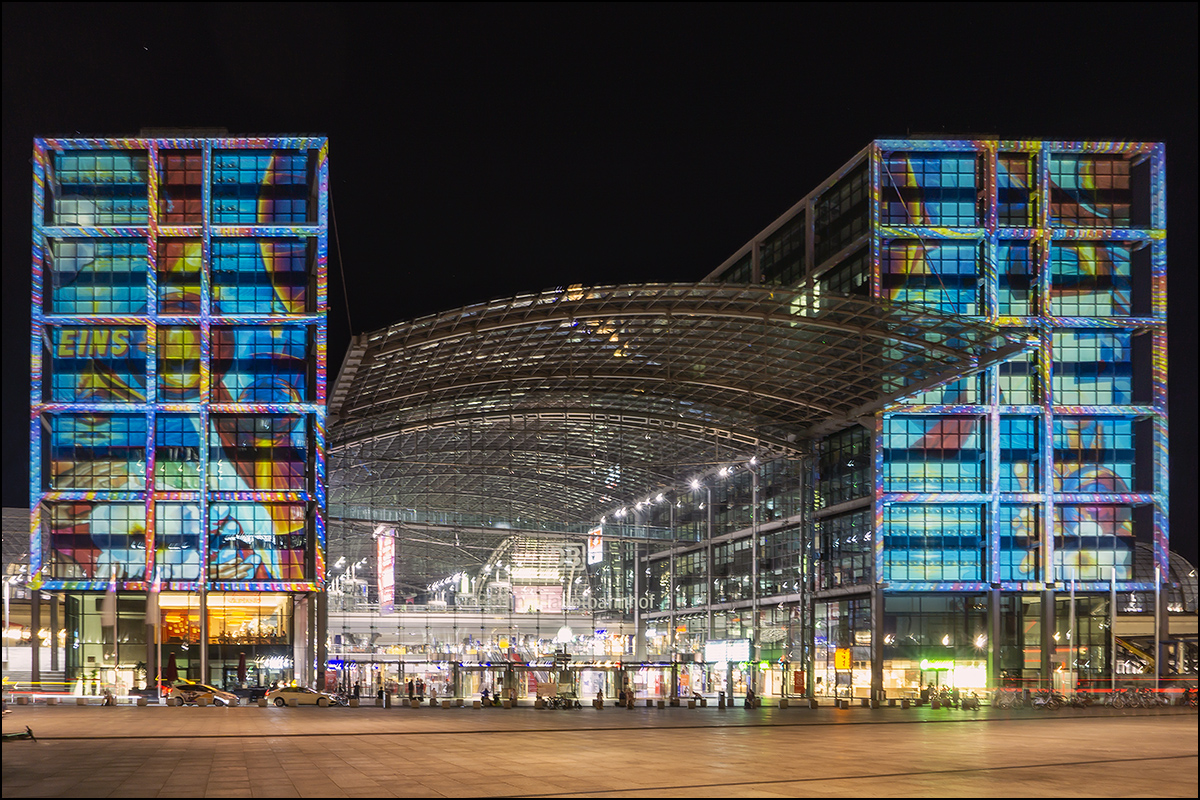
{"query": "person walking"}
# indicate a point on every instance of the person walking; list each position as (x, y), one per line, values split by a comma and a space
(411, 690)
(420, 690)
(357, 690)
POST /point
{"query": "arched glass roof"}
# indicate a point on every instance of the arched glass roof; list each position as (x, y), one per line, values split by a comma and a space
(540, 411)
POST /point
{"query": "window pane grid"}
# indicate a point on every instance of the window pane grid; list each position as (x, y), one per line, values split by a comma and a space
(97, 276)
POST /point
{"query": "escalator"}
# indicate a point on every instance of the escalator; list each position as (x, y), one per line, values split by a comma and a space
(1144, 660)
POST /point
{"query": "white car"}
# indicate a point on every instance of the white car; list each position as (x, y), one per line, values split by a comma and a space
(303, 697)
(189, 693)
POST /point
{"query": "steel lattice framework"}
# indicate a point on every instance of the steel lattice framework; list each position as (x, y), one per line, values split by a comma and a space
(539, 412)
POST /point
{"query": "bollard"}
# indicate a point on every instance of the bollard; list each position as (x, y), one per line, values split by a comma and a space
(661, 704)
(262, 702)
(691, 703)
(458, 701)
(81, 701)
(704, 702)
(51, 701)
(783, 702)
(354, 702)
(445, 704)
(142, 701)
(22, 700)
(864, 702)
(874, 703)
(414, 703)
(891, 702)
(904, 703)
(597, 703)
(813, 702)
(649, 703)
(507, 702)
(675, 702)
(477, 704)
(935, 703)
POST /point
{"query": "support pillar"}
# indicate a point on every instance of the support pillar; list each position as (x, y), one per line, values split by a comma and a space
(322, 615)
(994, 633)
(1046, 680)
(203, 631)
(35, 641)
(54, 632)
(877, 643)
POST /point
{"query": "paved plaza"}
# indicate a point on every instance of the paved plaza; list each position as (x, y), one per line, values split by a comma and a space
(160, 751)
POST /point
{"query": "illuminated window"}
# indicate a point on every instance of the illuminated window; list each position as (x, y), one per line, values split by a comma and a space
(1090, 279)
(102, 452)
(1019, 454)
(98, 364)
(933, 542)
(257, 453)
(178, 364)
(260, 187)
(177, 541)
(1094, 455)
(1017, 379)
(1090, 191)
(97, 276)
(177, 452)
(929, 189)
(97, 541)
(256, 541)
(98, 187)
(1015, 181)
(1092, 368)
(937, 273)
(180, 262)
(180, 189)
(1017, 295)
(259, 364)
(932, 454)
(1091, 541)
(1019, 557)
(260, 276)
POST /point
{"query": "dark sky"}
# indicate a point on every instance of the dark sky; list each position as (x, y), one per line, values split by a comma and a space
(481, 151)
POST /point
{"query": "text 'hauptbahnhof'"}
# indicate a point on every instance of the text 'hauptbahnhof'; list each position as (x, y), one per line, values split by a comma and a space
(912, 433)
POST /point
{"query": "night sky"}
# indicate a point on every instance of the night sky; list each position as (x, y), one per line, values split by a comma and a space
(481, 151)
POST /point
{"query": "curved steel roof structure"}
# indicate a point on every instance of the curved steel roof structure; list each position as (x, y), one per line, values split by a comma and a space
(543, 411)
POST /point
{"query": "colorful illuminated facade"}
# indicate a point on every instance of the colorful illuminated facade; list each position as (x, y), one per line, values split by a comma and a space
(953, 527)
(178, 400)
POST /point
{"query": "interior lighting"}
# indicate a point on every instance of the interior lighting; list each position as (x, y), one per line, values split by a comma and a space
(980, 640)
(659, 498)
(695, 483)
(724, 472)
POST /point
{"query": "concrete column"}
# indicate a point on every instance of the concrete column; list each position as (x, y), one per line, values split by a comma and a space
(54, 632)
(711, 590)
(35, 642)
(322, 631)
(204, 630)
(877, 642)
(1048, 644)
(994, 632)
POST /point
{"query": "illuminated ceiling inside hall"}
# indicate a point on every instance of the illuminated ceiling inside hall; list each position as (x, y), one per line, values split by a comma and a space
(544, 411)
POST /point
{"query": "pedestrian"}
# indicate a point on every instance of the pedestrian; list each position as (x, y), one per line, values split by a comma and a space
(420, 691)
(357, 690)
(411, 690)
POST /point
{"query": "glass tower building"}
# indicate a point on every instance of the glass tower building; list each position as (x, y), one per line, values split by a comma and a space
(177, 431)
(950, 532)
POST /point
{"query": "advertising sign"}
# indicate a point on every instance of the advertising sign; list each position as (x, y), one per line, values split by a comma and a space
(385, 556)
(725, 650)
(595, 546)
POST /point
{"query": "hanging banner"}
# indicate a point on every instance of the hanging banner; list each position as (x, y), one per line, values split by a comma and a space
(385, 558)
(595, 546)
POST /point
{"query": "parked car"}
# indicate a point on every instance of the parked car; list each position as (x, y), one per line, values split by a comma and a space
(189, 693)
(303, 696)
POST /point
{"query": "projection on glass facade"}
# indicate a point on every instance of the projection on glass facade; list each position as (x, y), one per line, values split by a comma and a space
(1010, 485)
(178, 365)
